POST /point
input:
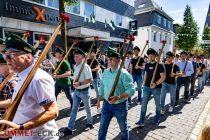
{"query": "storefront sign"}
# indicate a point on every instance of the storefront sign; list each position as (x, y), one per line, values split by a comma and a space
(31, 12)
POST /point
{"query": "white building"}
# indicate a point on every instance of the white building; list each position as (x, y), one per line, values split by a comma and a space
(154, 25)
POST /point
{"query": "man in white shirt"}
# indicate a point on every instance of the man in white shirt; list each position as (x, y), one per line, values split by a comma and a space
(81, 92)
(37, 108)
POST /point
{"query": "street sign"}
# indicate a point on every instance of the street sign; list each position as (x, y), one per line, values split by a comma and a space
(205, 41)
(133, 27)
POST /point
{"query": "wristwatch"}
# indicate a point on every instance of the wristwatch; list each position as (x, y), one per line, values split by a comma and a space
(21, 127)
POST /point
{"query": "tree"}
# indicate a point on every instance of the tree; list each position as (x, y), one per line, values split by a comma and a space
(62, 4)
(206, 36)
(188, 32)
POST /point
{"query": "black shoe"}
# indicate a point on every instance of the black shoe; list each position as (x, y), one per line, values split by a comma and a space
(89, 126)
(176, 104)
(186, 101)
(81, 104)
(67, 132)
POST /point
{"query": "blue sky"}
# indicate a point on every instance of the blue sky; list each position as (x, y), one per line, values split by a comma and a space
(175, 8)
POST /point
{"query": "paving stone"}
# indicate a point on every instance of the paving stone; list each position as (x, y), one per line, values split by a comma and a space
(186, 120)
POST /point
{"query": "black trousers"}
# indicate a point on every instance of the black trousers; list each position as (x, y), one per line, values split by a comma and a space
(67, 91)
(192, 85)
(182, 81)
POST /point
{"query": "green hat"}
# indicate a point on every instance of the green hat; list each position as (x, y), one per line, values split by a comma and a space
(170, 54)
(60, 50)
(79, 51)
(2, 61)
(2, 41)
(112, 53)
(183, 52)
(151, 51)
(16, 43)
(136, 48)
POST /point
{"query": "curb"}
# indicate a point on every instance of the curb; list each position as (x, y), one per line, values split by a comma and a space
(202, 120)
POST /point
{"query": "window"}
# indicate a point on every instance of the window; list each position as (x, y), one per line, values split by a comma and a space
(37, 36)
(164, 22)
(155, 37)
(73, 8)
(17, 32)
(53, 3)
(89, 9)
(38, 1)
(159, 19)
(169, 24)
(160, 37)
(118, 20)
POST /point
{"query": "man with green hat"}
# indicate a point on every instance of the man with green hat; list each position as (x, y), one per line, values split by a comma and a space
(152, 87)
(117, 105)
(81, 92)
(37, 108)
(169, 84)
(62, 78)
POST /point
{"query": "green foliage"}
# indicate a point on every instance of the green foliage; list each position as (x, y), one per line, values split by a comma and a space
(70, 2)
(206, 36)
(188, 32)
(206, 33)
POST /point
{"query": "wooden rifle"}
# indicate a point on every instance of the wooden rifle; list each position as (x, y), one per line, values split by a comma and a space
(158, 60)
(10, 113)
(131, 38)
(65, 56)
(142, 52)
(83, 64)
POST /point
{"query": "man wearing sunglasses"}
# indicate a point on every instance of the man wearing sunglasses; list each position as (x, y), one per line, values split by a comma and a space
(37, 108)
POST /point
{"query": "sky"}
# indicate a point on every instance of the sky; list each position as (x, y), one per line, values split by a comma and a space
(176, 8)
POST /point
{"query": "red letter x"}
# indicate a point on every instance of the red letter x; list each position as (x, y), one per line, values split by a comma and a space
(40, 13)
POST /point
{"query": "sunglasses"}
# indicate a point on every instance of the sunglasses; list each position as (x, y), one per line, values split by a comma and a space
(12, 55)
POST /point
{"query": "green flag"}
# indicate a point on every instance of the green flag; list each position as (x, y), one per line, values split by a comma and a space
(92, 18)
(105, 24)
(112, 25)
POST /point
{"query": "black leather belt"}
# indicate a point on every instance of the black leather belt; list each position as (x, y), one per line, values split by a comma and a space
(84, 89)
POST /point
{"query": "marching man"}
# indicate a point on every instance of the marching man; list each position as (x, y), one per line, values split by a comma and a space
(118, 105)
(37, 108)
(152, 88)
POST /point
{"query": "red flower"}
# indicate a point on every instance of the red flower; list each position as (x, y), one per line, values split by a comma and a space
(163, 42)
(76, 41)
(132, 38)
(27, 34)
(65, 17)
(96, 37)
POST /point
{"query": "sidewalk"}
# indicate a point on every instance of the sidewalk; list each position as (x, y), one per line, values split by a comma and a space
(180, 125)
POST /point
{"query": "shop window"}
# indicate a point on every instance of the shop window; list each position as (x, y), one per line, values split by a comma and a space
(38, 1)
(118, 20)
(43, 37)
(17, 32)
(53, 3)
(75, 9)
(89, 9)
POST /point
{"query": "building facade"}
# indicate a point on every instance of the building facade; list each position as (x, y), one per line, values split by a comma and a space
(154, 25)
(207, 23)
(40, 17)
